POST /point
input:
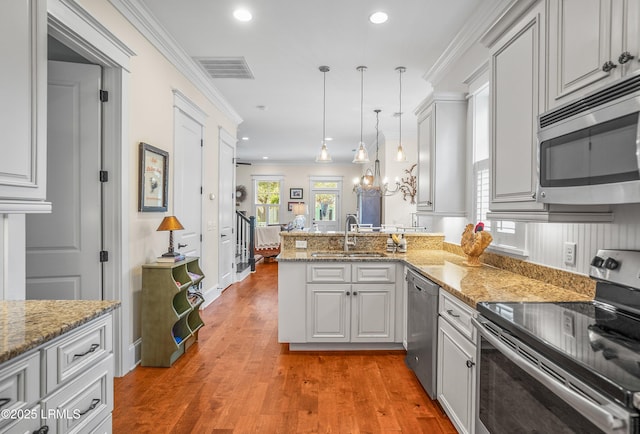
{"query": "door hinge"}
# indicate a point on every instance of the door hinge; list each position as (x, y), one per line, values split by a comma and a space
(104, 95)
(104, 176)
(104, 256)
(201, 143)
(200, 190)
(200, 237)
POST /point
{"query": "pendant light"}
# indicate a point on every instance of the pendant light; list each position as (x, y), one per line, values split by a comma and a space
(324, 156)
(362, 156)
(400, 155)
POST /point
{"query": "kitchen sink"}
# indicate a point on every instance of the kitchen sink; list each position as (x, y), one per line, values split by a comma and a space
(348, 255)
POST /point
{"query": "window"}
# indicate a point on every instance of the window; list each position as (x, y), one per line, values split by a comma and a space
(267, 200)
(480, 141)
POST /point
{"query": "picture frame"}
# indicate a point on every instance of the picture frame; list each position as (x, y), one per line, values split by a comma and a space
(153, 191)
(291, 204)
(295, 193)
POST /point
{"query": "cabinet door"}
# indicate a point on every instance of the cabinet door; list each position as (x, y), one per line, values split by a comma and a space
(23, 43)
(456, 376)
(425, 155)
(517, 74)
(328, 312)
(373, 313)
(584, 36)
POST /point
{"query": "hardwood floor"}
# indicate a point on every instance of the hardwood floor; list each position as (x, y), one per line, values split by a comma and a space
(238, 379)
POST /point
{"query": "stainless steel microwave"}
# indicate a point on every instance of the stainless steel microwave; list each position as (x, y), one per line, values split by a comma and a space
(589, 149)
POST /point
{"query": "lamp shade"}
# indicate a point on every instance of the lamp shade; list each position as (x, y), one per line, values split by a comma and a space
(299, 209)
(170, 223)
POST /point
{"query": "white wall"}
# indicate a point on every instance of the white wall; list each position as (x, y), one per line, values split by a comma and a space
(396, 210)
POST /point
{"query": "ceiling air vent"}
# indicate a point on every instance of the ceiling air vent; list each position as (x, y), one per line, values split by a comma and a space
(225, 67)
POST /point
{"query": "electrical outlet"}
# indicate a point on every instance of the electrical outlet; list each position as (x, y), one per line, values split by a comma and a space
(569, 253)
(301, 244)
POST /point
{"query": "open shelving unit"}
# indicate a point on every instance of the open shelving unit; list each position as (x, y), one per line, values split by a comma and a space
(170, 310)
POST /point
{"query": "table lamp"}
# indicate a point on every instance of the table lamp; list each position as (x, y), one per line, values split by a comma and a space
(170, 223)
(299, 210)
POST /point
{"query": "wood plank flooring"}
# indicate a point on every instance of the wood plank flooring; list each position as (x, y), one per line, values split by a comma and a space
(239, 379)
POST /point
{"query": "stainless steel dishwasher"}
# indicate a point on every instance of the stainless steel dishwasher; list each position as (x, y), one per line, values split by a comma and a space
(422, 330)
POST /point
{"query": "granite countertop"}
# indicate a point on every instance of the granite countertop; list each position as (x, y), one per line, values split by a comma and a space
(470, 284)
(26, 324)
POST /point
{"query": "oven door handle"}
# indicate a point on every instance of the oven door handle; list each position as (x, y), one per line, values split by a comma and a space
(599, 415)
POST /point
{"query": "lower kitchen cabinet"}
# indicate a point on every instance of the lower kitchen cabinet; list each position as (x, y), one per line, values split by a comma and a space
(350, 312)
(339, 303)
(456, 362)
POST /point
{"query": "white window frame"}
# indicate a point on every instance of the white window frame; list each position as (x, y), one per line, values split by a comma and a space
(268, 178)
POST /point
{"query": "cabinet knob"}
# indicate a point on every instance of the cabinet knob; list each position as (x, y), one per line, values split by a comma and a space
(533, 196)
(429, 203)
(347, 293)
(470, 364)
(609, 66)
(625, 57)
(355, 292)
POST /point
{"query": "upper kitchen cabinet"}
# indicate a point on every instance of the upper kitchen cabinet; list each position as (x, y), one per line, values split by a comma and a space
(591, 43)
(517, 96)
(441, 154)
(23, 99)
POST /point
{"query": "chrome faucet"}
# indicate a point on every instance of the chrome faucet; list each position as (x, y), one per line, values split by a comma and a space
(348, 243)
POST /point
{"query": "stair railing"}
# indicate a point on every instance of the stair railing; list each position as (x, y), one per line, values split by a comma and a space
(245, 239)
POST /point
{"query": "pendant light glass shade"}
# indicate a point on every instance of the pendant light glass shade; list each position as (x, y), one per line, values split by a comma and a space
(400, 155)
(324, 156)
(361, 156)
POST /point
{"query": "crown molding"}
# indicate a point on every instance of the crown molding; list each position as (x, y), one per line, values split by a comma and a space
(139, 15)
(485, 15)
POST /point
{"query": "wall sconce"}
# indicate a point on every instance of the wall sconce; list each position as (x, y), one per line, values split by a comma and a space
(170, 223)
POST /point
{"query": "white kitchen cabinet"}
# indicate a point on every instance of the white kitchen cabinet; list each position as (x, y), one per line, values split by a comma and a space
(65, 384)
(441, 154)
(350, 313)
(339, 303)
(591, 43)
(517, 63)
(456, 373)
(23, 92)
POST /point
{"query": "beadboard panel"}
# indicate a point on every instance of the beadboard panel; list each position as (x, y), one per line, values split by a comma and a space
(545, 241)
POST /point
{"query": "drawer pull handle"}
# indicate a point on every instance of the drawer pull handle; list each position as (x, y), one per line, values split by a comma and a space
(4, 401)
(44, 429)
(94, 404)
(90, 350)
(470, 364)
(450, 312)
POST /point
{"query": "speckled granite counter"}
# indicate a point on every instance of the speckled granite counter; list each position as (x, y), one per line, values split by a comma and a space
(26, 324)
(469, 284)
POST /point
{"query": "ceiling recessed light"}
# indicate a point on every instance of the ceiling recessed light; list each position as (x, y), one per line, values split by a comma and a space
(265, 158)
(378, 17)
(242, 15)
(328, 139)
(245, 138)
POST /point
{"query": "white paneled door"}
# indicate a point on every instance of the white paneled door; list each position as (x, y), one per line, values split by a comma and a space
(226, 211)
(63, 248)
(187, 194)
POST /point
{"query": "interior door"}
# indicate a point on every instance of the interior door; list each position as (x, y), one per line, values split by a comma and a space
(325, 209)
(62, 257)
(226, 201)
(187, 195)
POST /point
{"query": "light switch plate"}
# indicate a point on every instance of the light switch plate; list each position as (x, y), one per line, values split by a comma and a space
(301, 244)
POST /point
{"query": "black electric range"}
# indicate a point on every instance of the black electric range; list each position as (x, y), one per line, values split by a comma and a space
(597, 342)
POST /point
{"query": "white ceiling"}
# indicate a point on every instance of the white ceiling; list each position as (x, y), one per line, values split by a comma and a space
(288, 40)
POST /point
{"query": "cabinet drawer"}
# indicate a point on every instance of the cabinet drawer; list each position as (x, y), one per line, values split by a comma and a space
(27, 421)
(374, 273)
(82, 348)
(458, 314)
(329, 273)
(82, 404)
(19, 384)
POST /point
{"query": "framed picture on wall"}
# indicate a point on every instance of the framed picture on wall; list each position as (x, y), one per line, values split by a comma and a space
(153, 190)
(295, 193)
